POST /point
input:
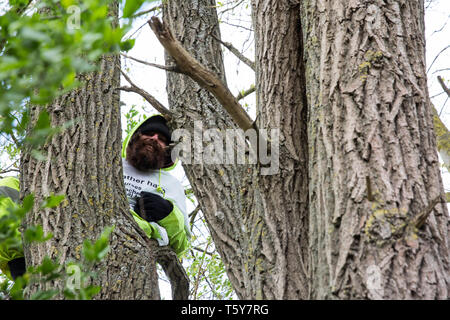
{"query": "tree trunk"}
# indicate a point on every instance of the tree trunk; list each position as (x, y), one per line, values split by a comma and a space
(84, 163)
(217, 187)
(280, 89)
(257, 223)
(373, 165)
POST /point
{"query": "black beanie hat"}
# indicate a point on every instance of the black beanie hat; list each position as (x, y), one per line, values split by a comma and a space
(156, 124)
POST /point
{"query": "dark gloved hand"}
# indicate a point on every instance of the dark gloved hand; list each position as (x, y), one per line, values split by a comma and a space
(17, 267)
(152, 207)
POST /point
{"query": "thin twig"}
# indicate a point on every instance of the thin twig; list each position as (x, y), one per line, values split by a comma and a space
(245, 93)
(437, 95)
(236, 52)
(370, 196)
(147, 96)
(193, 215)
(440, 70)
(231, 8)
(129, 37)
(237, 26)
(8, 170)
(197, 280)
(146, 11)
(446, 89)
(203, 250)
(159, 66)
(435, 58)
(439, 30)
(420, 219)
(443, 106)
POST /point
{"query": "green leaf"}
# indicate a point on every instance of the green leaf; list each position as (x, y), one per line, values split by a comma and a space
(36, 234)
(43, 121)
(127, 45)
(67, 3)
(16, 292)
(27, 205)
(51, 55)
(39, 156)
(89, 292)
(44, 295)
(69, 294)
(97, 251)
(52, 201)
(88, 250)
(131, 6)
(47, 266)
(69, 80)
(33, 34)
(18, 2)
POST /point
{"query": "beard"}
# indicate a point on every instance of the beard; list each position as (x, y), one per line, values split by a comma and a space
(145, 154)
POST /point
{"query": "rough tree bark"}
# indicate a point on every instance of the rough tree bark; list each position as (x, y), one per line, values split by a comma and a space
(84, 163)
(368, 225)
(377, 227)
(258, 223)
(373, 165)
(217, 187)
(281, 104)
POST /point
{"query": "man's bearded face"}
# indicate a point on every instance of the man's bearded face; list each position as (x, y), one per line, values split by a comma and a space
(146, 153)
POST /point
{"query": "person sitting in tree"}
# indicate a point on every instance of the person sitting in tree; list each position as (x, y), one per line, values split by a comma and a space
(157, 200)
(156, 197)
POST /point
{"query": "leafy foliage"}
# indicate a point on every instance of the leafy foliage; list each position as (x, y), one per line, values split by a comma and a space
(50, 270)
(207, 273)
(133, 117)
(42, 52)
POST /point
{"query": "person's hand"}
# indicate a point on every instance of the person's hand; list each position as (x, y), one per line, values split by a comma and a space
(152, 207)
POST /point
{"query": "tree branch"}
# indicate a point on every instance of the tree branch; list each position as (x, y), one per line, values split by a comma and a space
(203, 250)
(441, 81)
(420, 219)
(8, 170)
(146, 11)
(245, 93)
(172, 267)
(193, 215)
(205, 78)
(170, 263)
(167, 68)
(147, 96)
(435, 58)
(236, 52)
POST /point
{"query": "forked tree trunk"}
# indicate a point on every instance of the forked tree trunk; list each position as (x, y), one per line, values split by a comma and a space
(258, 223)
(374, 229)
(372, 168)
(373, 165)
(217, 187)
(281, 106)
(84, 163)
